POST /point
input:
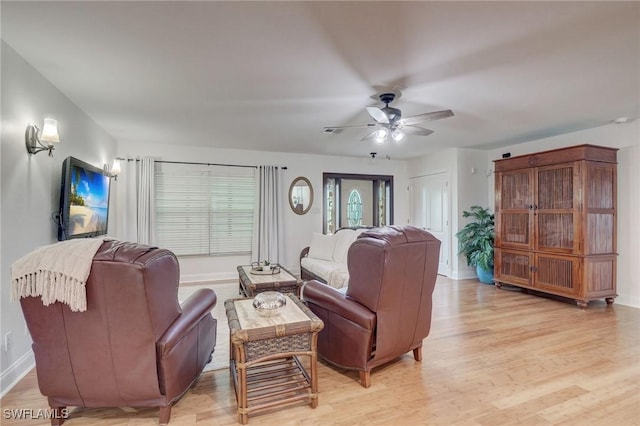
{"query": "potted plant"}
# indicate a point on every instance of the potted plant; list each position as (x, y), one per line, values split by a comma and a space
(475, 242)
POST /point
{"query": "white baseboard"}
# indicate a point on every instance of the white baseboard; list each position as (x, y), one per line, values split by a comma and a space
(16, 371)
(625, 300)
(213, 276)
(463, 275)
(221, 276)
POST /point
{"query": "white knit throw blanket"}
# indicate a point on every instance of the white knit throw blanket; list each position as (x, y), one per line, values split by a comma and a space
(57, 272)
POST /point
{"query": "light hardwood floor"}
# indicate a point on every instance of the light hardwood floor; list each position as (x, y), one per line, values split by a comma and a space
(494, 357)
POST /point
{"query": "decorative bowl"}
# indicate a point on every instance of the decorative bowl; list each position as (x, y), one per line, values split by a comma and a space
(268, 303)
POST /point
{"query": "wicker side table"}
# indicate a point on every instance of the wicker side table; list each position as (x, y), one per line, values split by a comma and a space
(265, 353)
(250, 284)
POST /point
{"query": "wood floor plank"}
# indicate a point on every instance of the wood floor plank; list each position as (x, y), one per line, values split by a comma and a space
(493, 357)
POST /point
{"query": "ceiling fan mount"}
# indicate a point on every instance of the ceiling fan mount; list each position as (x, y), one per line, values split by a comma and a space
(393, 114)
(387, 98)
(390, 124)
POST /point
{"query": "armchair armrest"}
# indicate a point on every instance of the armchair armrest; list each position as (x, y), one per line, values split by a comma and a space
(196, 307)
(186, 346)
(332, 300)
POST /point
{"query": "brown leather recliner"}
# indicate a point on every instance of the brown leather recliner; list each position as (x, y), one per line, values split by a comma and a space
(386, 311)
(134, 346)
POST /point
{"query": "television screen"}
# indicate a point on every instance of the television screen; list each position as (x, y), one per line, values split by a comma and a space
(84, 200)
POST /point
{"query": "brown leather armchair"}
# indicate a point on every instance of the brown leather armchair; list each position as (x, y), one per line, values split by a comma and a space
(134, 346)
(386, 310)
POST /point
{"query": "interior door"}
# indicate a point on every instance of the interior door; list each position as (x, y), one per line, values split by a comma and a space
(429, 201)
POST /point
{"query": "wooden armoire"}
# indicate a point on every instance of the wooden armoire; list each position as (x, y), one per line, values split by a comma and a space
(556, 222)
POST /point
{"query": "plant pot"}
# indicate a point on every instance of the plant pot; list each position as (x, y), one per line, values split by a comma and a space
(484, 276)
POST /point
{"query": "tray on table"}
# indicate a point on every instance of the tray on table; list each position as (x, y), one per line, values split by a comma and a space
(257, 269)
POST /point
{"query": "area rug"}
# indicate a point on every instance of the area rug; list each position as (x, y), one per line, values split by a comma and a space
(223, 291)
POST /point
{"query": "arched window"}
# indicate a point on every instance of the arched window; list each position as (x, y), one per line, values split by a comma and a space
(354, 209)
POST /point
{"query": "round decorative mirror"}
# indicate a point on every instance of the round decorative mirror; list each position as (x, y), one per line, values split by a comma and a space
(300, 195)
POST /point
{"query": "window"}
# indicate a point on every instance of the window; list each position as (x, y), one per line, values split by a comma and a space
(204, 210)
(356, 200)
(354, 209)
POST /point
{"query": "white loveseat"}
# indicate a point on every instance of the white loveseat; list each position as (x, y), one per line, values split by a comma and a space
(325, 259)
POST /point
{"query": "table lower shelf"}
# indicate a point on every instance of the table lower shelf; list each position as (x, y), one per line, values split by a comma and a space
(271, 383)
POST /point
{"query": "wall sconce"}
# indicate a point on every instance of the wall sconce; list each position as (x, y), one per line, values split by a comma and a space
(49, 135)
(113, 170)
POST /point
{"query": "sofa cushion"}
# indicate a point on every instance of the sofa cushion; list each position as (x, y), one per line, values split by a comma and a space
(322, 246)
(335, 274)
(344, 238)
(321, 268)
(339, 277)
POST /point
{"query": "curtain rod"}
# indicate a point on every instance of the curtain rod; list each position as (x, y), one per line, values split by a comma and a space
(198, 164)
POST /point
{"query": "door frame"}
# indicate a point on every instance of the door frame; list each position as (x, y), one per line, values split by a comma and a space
(388, 179)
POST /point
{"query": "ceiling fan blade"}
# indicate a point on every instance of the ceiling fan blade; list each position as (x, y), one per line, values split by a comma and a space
(378, 115)
(349, 127)
(428, 116)
(370, 136)
(415, 130)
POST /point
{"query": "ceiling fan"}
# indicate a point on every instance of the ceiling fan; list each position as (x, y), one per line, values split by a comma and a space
(389, 122)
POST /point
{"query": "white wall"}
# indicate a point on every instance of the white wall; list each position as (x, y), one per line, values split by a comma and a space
(473, 182)
(626, 137)
(30, 185)
(467, 169)
(298, 229)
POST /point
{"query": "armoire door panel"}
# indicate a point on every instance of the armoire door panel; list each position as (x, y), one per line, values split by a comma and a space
(556, 273)
(555, 231)
(514, 229)
(516, 190)
(514, 209)
(513, 266)
(555, 188)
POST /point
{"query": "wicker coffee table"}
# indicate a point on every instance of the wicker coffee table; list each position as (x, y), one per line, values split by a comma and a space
(264, 361)
(251, 284)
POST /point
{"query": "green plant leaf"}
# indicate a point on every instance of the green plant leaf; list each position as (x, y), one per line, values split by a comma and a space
(475, 239)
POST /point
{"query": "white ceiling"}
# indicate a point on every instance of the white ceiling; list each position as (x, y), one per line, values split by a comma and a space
(270, 75)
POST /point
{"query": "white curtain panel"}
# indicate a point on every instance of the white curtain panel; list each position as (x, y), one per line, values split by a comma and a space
(267, 226)
(146, 201)
(127, 211)
(136, 211)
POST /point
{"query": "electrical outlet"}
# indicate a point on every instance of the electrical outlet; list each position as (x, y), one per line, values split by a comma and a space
(7, 341)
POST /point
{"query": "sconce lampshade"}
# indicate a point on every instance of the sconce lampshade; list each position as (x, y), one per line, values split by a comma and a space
(115, 168)
(50, 131)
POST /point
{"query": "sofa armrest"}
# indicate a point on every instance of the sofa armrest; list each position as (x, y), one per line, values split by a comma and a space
(304, 253)
(332, 300)
(197, 306)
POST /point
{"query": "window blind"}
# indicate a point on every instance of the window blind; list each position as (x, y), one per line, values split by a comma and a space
(204, 210)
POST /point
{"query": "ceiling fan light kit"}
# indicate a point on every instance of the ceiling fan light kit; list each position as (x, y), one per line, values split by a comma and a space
(397, 135)
(381, 135)
(390, 124)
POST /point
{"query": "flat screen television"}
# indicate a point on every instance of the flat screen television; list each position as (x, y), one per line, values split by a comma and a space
(84, 200)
